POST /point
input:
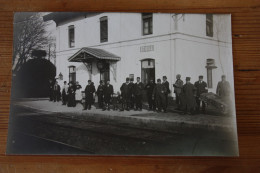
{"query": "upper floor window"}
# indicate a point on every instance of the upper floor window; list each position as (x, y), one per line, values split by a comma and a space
(103, 29)
(71, 36)
(209, 25)
(147, 23)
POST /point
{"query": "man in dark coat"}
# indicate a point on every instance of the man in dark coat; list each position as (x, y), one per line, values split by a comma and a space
(89, 90)
(188, 94)
(159, 96)
(131, 90)
(201, 87)
(167, 86)
(108, 93)
(51, 83)
(125, 93)
(149, 89)
(56, 92)
(100, 94)
(177, 90)
(138, 91)
(223, 89)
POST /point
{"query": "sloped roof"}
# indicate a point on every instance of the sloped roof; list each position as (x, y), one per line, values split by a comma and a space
(91, 53)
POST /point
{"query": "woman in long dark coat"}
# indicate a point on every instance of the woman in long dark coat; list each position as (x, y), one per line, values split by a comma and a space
(71, 96)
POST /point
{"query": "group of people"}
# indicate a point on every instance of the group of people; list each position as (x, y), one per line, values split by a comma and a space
(188, 94)
(131, 95)
(69, 94)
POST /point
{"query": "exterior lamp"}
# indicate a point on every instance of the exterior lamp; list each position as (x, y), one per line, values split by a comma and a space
(61, 76)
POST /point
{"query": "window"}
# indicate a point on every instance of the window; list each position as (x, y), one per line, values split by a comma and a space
(210, 66)
(72, 74)
(103, 29)
(209, 25)
(71, 36)
(147, 23)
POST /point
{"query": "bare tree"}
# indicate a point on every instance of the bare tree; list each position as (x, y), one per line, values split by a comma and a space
(29, 35)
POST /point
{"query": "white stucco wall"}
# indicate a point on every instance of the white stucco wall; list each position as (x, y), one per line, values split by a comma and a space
(180, 46)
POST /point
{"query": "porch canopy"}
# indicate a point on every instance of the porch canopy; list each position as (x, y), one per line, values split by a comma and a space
(86, 54)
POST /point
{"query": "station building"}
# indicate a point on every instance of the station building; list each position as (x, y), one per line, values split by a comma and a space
(113, 46)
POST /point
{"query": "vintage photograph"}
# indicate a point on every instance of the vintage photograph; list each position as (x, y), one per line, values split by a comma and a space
(107, 83)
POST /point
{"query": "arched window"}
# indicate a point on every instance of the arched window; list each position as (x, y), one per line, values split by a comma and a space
(72, 74)
(148, 70)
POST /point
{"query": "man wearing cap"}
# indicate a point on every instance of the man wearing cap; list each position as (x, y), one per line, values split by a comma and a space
(159, 96)
(177, 90)
(100, 94)
(131, 90)
(189, 92)
(149, 89)
(223, 89)
(138, 91)
(201, 87)
(89, 90)
(167, 86)
(125, 93)
(108, 92)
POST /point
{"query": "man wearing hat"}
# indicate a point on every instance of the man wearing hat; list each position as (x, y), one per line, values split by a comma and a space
(100, 94)
(189, 102)
(89, 90)
(159, 96)
(125, 93)
(138, 91)
(201, 87)
(223, 89)
(177, 90)
(108, 92)
(167, 86)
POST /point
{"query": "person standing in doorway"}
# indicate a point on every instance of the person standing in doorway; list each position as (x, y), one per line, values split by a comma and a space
(201, 87)
(177, 90)
(89, 91)
(138, 91)
(108, 93)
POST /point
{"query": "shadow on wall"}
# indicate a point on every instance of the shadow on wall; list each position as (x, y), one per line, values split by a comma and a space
(32, 80)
